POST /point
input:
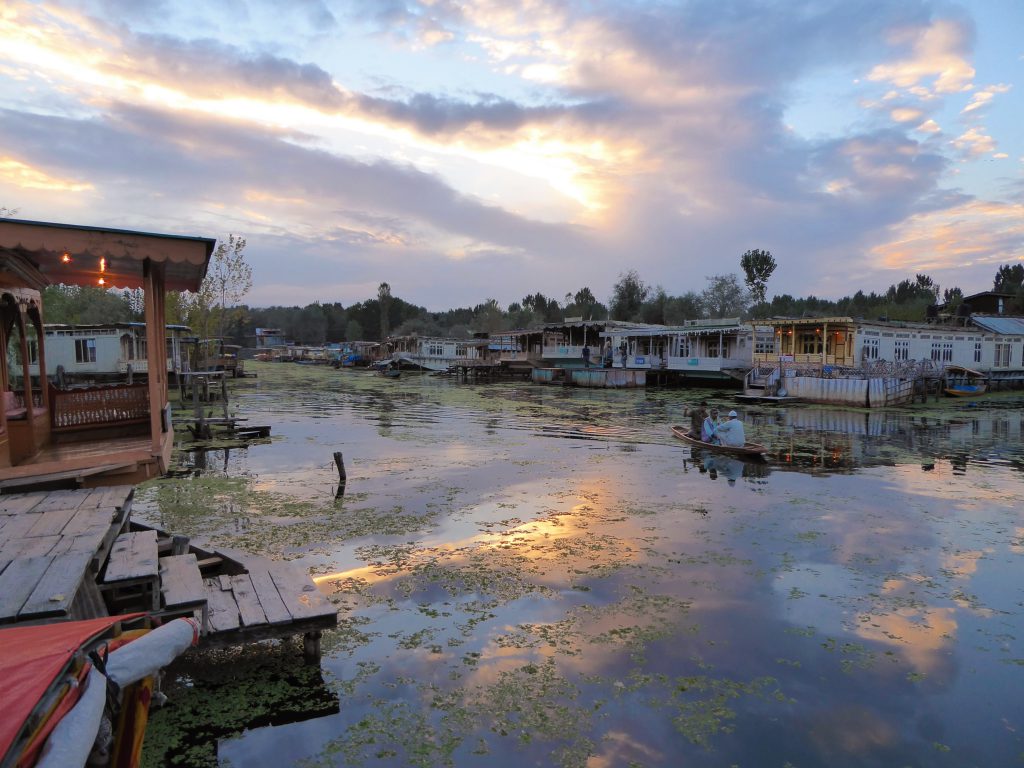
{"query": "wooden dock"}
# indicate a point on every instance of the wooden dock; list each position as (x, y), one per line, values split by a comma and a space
(77, 555)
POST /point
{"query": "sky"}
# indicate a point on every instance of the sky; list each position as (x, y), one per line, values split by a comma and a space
(463, 150)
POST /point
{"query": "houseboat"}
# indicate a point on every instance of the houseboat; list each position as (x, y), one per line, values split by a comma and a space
(873, 363)
(106, 352)
(427, 353)
(119, 433)
(702, 351)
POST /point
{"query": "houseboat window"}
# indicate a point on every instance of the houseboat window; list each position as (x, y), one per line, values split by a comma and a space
(713, 349)
(810, 344)
(85, 350)
(977, 351)
(901, 350)
(1002, 356)
(764, 344)
(870, 349)
(947, 352)
(684, 346)
(127, 348)
(33, 351)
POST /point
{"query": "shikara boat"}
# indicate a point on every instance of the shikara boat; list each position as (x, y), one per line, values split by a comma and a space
(59, 682)
(964, 382)
(750, 450)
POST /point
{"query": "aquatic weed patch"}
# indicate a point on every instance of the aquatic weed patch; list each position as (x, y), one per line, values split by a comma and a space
(214, 695)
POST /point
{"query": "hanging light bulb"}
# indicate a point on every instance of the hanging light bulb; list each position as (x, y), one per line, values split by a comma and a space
(102, 281)
(65, 258)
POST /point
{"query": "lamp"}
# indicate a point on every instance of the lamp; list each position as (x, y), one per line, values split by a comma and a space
(65, 258)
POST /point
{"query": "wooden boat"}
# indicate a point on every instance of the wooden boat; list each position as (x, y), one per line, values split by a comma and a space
(750, 450)
(964, 382)
(56, 692)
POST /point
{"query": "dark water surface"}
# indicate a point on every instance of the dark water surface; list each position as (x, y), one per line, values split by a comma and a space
(532, 575)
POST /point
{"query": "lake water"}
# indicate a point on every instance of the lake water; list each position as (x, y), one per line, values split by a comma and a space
(532, 575)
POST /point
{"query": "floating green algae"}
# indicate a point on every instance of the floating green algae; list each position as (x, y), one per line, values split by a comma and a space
(218, 693)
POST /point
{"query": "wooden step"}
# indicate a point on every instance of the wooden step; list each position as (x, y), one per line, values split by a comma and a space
(132, 573)
(181, 587)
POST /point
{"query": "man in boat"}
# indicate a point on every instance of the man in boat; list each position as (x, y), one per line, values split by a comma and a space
(697, 416)
(709, 427)
(586, 356)
(731, 432)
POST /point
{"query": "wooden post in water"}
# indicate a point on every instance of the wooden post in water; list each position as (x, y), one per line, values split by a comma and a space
(339, 461)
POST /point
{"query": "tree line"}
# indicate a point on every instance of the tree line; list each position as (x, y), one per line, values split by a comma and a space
(217, 308)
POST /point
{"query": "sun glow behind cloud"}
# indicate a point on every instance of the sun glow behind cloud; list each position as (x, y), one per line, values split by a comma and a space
(21, 175)
(641, 128)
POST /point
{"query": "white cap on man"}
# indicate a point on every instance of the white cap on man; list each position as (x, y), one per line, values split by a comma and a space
(732, 413)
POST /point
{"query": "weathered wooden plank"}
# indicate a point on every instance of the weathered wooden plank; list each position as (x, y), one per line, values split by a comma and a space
(180, 581)
(266, 591)
(248, 603)
(300, 595)
(134, 556)
(91, 499)
(50, 522)
(58, 586)
(17, 582)
(118, 497)
(61, 500)
(29, 547)
(222, 610)
(88, 519)
(19, 526)
(225, 583)
(18, 503)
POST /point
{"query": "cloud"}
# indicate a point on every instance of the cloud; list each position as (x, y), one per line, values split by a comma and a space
(935, 59)
(966, 241)
(657, 129)
(974, 142)
(983, 97)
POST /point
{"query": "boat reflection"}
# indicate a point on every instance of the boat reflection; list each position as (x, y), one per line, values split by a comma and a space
(834, 441)
(729, 468)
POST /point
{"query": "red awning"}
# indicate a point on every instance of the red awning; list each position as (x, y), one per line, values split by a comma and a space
(31, 658)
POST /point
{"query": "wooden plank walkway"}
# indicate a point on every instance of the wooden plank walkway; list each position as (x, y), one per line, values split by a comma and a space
(50, 543)
(60, 550)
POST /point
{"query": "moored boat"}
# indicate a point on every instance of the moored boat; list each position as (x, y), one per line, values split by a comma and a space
(964, 382)
(748, 449)
(79, 691)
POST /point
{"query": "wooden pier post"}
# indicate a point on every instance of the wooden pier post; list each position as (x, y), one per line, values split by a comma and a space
(339, 462)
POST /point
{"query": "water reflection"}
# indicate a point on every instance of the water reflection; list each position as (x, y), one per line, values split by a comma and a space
(730, 468)
(534, 575)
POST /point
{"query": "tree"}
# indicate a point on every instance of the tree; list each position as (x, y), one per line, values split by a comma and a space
(758, 266)
(353, 331)
(628, 296)
(678, 309)
(653, 310)
(724, 297)
(384, 298)
(489, 317)
(228, 279)
(952, 298)
(1009, 278)
(84, 304)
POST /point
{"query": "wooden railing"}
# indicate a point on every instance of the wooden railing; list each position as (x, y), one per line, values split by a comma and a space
(99, 406)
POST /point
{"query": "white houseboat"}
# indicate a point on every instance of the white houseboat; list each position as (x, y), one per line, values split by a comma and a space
(873, 363)
(107, 351)
(428, 352)
(703, 350)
